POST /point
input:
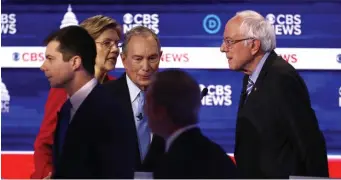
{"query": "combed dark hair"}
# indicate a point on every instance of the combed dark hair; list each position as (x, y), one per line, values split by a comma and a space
(75, 41)
(179, 93)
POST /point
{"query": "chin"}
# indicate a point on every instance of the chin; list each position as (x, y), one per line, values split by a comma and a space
(54, 85)
(232, 67)
(144, 83)
(109, 67)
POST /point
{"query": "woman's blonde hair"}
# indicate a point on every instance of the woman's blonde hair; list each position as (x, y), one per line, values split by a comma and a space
(96, 25)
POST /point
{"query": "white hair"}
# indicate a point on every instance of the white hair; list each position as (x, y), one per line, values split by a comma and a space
(255, 26)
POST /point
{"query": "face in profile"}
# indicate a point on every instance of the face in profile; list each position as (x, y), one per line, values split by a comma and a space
(57, 71)
(237, 53)
(107, 50)
(141, 59)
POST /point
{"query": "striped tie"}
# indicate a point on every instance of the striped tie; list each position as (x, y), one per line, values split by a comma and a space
(249, 86)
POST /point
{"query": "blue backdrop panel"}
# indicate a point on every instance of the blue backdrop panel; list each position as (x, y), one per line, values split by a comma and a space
(297, 24)
(28, 90)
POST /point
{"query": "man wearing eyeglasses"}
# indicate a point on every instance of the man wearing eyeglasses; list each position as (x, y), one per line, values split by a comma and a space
(141, 53)
(277, 132)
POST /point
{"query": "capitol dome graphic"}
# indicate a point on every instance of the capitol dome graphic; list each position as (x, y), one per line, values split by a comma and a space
(69, 19)
(5, 98)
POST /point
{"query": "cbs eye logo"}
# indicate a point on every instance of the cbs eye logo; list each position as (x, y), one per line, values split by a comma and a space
(340, 96)
(338, 58)
(16, 56)
(271, 18)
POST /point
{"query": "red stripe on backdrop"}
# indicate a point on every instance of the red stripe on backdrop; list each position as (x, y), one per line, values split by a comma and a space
(20, 166)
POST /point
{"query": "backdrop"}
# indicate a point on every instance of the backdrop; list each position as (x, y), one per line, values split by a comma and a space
(308, 37)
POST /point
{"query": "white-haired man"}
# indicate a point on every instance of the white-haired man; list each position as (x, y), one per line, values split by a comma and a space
(277, 132)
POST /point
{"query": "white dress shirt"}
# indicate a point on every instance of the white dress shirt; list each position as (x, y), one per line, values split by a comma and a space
(176, 134)
(79, 96)
(134, 92)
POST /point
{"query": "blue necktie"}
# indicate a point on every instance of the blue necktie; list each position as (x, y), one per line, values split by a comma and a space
(64, 120)
(142, 128)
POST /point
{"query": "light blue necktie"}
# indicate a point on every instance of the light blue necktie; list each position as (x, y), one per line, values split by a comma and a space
(142, 127)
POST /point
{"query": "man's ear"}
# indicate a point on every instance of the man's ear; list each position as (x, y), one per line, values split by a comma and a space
(161, 53)
(76, 62)
(255, 47)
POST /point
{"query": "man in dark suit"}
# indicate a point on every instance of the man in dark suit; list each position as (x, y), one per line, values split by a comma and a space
(277, 132)
(141, 53)
(90, 139)
(173, 103)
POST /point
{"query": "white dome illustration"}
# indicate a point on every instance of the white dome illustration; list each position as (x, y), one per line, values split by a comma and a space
(4, 92)
(69, 19)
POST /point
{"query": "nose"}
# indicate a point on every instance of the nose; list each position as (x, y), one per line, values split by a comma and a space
(114, 48)
(145, 65)
(222, 47)
(42, 67)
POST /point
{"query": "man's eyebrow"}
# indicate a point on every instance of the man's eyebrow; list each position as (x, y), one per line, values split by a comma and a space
(137, 56)
(48, 56)
(155, 54)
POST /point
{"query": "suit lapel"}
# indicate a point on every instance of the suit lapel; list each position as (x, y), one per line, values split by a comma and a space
(243, 93)
(77, 117)
(123, 94)
(122, 91)
(258, 85)
(55, 145)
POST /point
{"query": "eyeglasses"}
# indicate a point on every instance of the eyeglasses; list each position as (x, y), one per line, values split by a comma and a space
(110, 44)
(230, 42)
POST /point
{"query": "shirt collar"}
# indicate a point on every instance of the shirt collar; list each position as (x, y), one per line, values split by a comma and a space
(256, 72)
(133, 89)
(78, 97)
(176, 134)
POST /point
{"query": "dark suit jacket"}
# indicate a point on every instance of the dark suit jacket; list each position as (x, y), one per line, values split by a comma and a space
(43, 144)
(277, 132)
(97, 144)
(119, 89)
(194, 156)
